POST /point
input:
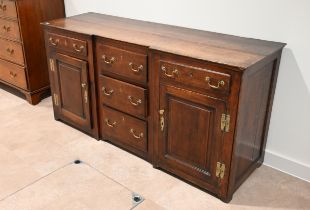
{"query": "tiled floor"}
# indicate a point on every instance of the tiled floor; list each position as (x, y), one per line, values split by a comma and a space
(36, 155)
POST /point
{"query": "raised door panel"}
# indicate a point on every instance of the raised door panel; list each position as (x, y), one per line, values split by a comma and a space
(71, 88)
(190, 139)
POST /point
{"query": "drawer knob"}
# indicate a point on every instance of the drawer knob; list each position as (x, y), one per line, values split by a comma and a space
(10, 51)
(13, 75)
(78, 48)
(2, 6)
(220, 83)
(173, 74)
(136, 70)
(108, 61)
(132, 131)
(107, 92)
(53, 42)
(135, 103)
(109, 124)
(6, 28)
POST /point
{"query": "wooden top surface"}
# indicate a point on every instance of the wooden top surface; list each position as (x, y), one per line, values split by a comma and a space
(218, 48)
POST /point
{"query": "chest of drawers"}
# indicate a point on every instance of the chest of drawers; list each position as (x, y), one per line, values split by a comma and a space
(194, 103)
(23, 67)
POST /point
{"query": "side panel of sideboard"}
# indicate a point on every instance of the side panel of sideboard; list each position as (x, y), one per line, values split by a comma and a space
(254, 111)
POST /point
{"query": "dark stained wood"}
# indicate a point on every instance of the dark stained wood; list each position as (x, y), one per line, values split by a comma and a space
(22, 41)
(67, 44)
(214, 47)
(121, 62)
(123, 96)
(191, 140)
(72, 88)
(194, 76)
(72, 78)
(123, 129)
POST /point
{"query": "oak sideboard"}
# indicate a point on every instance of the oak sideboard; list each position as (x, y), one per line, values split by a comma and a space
(193, 103)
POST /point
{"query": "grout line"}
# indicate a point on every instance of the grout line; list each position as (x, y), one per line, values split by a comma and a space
(136, 205)
(35, 181)
(115, 182)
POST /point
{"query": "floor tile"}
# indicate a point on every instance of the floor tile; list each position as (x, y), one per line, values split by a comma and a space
(72, 187)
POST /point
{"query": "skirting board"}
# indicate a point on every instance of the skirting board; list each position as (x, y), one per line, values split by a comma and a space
(288, 166)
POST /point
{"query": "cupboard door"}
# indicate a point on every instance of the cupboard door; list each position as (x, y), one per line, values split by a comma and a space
(71, 90)
(190, 136)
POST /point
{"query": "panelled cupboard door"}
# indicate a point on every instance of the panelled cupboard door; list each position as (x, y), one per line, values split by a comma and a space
(71, 90)
(190, 138)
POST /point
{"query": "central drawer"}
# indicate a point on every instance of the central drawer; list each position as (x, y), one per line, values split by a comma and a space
(124, 129)
(124, 63)
(123, 96)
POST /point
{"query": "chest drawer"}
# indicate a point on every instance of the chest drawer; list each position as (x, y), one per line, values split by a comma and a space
(195, 77)
(9, 29)
(123, 96)
(8, 8)
(12, 51)
(68, 44)
(120, 62)
(13, 74)
(124, 129)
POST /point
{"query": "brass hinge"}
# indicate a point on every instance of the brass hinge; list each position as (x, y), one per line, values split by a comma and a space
(52, 66)
(56, 99)
(162, 119)
(220, 170)
(225, 122)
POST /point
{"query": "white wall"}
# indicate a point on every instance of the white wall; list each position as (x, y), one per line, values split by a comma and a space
(288, 21)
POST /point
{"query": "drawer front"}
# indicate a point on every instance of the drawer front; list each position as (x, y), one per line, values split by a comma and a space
(8, 9)
(123, 96)
(9, 29)
(13, 74)
(124, 129)
(200, 78)
(68, 44)
(12, 51)
(123, 63)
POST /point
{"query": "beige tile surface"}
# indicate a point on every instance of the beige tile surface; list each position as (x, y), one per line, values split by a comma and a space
(73, 187)
(33, 144)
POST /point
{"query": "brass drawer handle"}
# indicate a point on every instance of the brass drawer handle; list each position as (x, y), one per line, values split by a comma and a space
(220, 83)
(77, 48)
(2, 6)
(10, 51)
(135, 103)
(54, 42)
(108, 61)
(107, 92)
(6, 28)
(174, 73)
(132, 131)
(109, 124)
(13, 75)
(137, 70)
